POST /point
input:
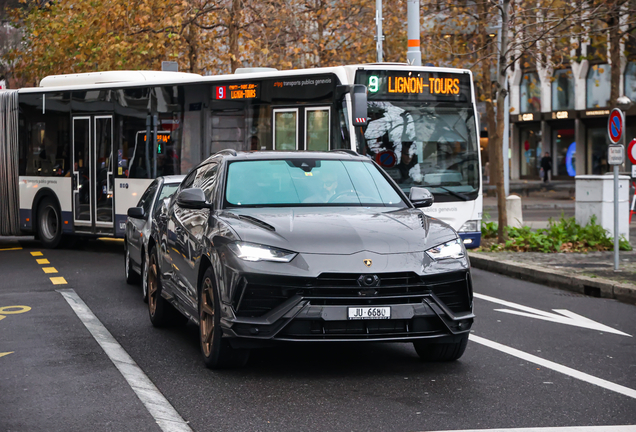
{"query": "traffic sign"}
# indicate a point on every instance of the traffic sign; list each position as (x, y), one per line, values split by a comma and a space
(615, 125)
(615, 155)
(386, 159)
(631, 151)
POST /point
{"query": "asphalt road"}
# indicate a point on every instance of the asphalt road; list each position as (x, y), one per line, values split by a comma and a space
(545, 372)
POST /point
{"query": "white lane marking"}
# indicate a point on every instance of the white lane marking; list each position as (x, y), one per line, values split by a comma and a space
(160, 409)
(565, 317)
(555, 367)
(627, 428)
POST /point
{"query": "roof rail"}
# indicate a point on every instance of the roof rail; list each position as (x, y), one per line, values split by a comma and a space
(347, 151)
(230, 151)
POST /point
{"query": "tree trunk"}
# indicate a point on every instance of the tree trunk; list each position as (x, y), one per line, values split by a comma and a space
(233, 35)
(613, 24)
(192, 38)
(497, 153)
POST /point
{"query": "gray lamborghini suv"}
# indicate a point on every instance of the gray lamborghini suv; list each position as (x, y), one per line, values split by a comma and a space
(272, 247)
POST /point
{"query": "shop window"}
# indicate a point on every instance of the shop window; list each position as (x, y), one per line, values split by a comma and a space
(597, 146)
(565, 148)
(630, 80)
(598, 86)
(563, 90)
(531, 152)
(530, 92)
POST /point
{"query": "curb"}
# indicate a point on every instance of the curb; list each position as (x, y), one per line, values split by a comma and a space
(594, 287)
(564, 206)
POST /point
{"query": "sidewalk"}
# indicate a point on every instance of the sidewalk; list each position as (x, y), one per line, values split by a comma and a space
(586, 273)
(590, 273)
(536, 195)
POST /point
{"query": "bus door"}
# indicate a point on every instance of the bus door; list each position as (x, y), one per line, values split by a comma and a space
(93, 173)
(315, 123)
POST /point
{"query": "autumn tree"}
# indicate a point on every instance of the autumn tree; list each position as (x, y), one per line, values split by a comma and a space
(491, 38)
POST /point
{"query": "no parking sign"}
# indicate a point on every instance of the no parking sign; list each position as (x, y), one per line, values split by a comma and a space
(615, 126)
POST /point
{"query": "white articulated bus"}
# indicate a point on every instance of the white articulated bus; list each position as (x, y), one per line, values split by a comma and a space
(79, 150)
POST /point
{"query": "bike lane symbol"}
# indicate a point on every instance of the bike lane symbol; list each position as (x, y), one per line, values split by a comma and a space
(11, 310)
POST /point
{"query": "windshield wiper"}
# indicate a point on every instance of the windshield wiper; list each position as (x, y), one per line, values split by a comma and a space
(459, 195)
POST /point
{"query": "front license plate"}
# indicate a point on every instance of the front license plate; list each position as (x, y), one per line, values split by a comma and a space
(359, 313)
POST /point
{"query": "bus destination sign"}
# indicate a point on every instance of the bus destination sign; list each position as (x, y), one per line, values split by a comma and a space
(425, 86)
(236, 91)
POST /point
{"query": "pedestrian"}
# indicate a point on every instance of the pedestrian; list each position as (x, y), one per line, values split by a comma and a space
(546, 166)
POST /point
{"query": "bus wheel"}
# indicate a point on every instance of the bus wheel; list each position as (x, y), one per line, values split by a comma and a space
(49, 223)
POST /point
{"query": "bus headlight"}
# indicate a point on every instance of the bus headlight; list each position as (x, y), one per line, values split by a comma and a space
(453, 249)
(470, 226)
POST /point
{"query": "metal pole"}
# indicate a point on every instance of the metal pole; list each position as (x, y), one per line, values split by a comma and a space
(616, 218)
(378, 26)
(413, 53)
(155, 122)
(506, 142)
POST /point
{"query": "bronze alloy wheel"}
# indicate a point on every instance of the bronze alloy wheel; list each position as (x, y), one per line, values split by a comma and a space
(153, 285)
(207, 317)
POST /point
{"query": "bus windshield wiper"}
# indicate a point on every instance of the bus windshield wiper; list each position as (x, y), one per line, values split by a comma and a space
(459, 195)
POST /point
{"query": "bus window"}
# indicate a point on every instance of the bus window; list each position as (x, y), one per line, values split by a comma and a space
(132, 107)
(227, 130)
(317, 123)
(47, 136)
(286, 129)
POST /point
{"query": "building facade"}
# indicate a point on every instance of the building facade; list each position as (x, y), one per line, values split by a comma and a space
(565, 112)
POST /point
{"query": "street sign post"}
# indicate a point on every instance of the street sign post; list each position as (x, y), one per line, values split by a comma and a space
(616, 156)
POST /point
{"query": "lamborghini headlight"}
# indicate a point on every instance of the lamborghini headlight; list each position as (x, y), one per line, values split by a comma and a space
(453, 249)
(256, 252)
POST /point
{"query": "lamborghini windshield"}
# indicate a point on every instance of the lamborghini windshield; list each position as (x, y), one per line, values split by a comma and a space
(308, 182)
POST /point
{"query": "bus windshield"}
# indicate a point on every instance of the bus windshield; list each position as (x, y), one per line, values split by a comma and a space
(424, 145)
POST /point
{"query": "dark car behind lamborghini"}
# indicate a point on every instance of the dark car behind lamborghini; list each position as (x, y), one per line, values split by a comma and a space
(259, 248)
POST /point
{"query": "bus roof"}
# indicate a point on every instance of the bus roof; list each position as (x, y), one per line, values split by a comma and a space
(126, 79)
(114, 77)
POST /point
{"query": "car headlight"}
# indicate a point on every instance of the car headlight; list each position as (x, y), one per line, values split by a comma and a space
(453, 249)
(470, 226)
(256, 252)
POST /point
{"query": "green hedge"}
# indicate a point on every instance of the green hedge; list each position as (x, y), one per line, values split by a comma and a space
(563, 235)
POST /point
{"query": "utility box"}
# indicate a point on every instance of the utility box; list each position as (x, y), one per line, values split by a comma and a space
(595, 196)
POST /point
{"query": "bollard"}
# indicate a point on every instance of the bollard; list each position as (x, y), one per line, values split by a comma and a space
(514, 210)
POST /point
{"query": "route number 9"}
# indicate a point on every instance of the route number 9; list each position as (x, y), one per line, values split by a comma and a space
(221, 92)
(374, 84)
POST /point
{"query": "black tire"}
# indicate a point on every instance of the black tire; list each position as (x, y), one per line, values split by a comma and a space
(438, 352)
(49, 228)
(161, 312)
(216, 350)
(132, 277)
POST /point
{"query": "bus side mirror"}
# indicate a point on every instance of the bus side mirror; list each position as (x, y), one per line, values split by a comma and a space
(359, 105)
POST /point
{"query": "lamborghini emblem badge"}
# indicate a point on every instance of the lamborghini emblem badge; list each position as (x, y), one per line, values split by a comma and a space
(367, 262)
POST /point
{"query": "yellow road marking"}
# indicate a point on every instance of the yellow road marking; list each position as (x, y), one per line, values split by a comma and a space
(43, 261)
(8, 249)
(36, 253)
(49, 269)
(7, 353)
(58, 280)
(119, 240)
(6, 310)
